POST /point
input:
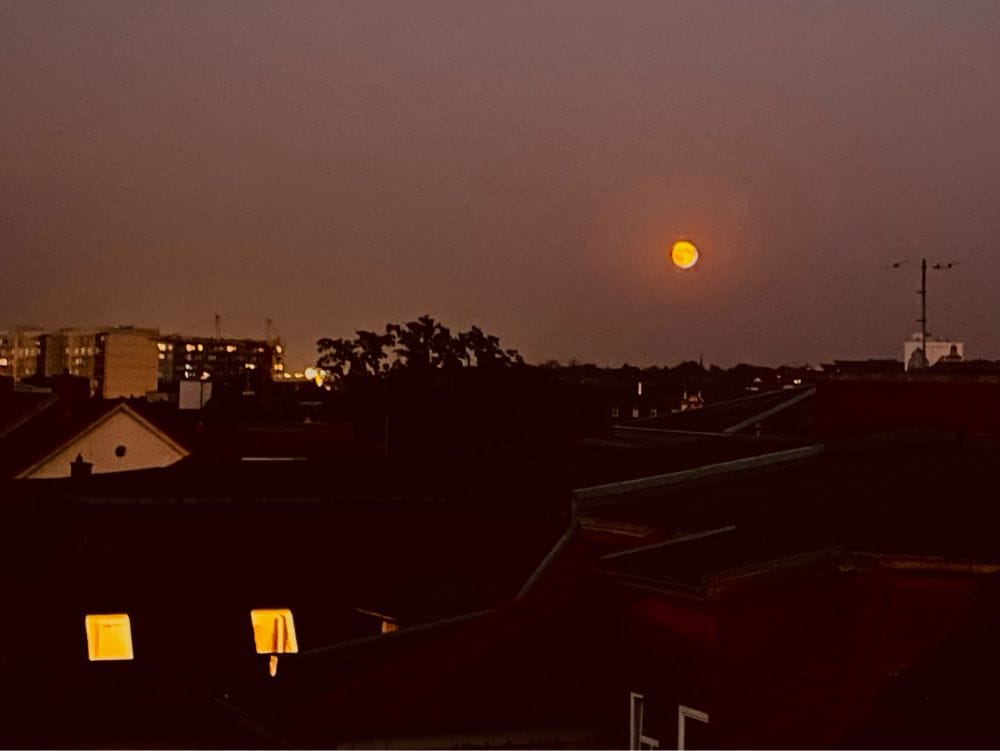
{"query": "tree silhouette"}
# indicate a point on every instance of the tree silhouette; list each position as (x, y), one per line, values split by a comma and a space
(337, 356)
(369, 348)
(420, 347)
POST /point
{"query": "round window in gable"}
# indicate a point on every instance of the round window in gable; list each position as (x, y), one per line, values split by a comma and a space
(119, 451)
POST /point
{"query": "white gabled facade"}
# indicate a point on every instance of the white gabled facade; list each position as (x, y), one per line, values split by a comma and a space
(119, 441)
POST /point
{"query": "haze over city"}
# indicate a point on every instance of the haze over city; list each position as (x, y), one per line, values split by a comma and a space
(525, 168)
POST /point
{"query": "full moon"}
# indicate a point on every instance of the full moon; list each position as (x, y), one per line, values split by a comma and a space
(684, 254)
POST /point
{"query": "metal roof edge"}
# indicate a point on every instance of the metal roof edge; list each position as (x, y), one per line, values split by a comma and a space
(608, 493)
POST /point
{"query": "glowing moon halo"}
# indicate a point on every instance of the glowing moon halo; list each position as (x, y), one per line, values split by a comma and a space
(684, 254)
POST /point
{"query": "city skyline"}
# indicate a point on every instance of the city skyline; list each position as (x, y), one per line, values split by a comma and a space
(338, 167)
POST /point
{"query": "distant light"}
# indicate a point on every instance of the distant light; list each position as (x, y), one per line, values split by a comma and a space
(684, 254)
(311, 373)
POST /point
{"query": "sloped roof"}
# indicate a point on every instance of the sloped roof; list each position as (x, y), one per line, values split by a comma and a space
(454, 678)
(922, 494)
(541, 484)
(731, 416)
(188, 575)
(30, 434)
(38, 426)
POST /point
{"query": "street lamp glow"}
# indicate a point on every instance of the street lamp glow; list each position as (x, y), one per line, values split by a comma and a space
(684, 254)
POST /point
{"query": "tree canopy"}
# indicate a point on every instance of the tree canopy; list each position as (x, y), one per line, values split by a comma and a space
(420, 346)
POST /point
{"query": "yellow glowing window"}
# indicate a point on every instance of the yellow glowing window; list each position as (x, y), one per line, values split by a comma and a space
(274, 631)
(230, 348)
(189, 347)
(389, 625)
(161, 346)
(109, 637)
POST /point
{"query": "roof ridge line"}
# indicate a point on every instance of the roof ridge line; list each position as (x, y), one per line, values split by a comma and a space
(781, 406)
(597, 495)
(31, 414)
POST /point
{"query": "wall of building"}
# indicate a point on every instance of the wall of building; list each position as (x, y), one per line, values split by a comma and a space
(858, 405)
(128, 364)
(936, 349)
(19, 353)
(232, 360)
(139, 447)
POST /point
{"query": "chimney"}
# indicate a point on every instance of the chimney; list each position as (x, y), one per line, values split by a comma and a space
(78, 468)
(73, 392)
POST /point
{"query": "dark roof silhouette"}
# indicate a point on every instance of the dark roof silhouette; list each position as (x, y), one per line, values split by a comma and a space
(731, 416)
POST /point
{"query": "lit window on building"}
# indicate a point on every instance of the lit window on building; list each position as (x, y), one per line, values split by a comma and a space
(189, 347)
(250, 366)
(274, 631)
(161, 346)
(109, 637)
(230, 348)
(635, 412)
(201, 347)
(278, 349)
(274, 634)
(4, 362)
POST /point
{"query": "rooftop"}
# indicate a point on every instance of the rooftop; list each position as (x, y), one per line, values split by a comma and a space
(923, 494)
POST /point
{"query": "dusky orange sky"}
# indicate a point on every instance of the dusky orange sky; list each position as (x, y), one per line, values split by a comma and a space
(523, 167)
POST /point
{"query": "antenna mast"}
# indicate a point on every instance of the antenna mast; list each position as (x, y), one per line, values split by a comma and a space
(925, 360)
(923, 312)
